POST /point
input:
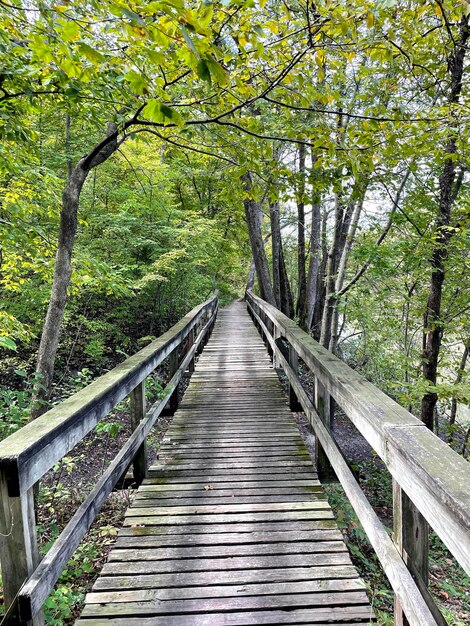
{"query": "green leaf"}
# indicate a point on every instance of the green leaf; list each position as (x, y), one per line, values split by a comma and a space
(136, 81)
(189, 41)
(152, 111)
(91, 53)
(205, 16)
(134, 17)
(217, 71)
(70, 30)
(170, 114)
(6, 342)
(203, 71)
(161, 113)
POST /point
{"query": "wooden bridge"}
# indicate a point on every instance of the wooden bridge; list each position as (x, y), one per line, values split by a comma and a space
(231, 526)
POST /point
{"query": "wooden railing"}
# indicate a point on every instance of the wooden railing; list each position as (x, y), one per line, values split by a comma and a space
(431, 483)
(32, 451)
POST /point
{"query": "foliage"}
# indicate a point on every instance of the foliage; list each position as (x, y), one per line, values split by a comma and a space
(198, 93)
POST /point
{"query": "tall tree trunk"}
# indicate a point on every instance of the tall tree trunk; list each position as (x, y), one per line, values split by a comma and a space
(348, 234)
(301, 272)
(321, 281)
(250, 281)
(447, 195)
(333, 257)
(253, 214)
(276, 250)
(313, 267)
(287, 297)
(314, 251)
(63, 273)
(458, 380)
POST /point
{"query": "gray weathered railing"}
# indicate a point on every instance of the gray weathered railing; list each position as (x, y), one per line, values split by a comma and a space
(431, 482)
(32, 451)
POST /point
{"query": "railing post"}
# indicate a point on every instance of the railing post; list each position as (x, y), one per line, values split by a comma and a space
(294, 403)
(199, 327)
(270, 330)
(137, 412)
(411, 536)
(191, 337)
(173, 363)
(19, 553)
(323, 406)
(276, 336)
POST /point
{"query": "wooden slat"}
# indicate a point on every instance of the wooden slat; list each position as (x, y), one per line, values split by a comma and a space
(232, 526)
(434, 477)
(344, 616)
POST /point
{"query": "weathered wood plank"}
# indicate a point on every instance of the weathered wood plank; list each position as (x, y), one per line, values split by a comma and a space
(346, 616)
(143, 591)
(232, 524)
(434, 477)
(155, 554)
(226, 539)
(202, 580)
(262, 483)
(291, 601)
(281, 525)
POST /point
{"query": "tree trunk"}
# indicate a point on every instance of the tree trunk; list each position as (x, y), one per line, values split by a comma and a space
(313, 267)
(348, 234)
(250, 281)
(62, 274)
(301, 272)
(287, 298)
(458, 380)
(276, 250)
(435, 329)
(333, 256)
(321, 288)
(253, 215)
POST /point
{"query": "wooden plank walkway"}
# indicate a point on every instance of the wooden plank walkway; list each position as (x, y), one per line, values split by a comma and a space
(232, 527)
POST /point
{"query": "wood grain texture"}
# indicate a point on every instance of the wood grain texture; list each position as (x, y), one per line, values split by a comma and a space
(416, 602)
(27, 454)
(232, 525)
(434, 477)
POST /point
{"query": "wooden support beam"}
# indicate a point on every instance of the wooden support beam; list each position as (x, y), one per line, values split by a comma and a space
(19, 553)
(173, 400)
(294, 403)
(324, 406)
(276, 337)
(411, 536)
(137, 414)
(190, 344)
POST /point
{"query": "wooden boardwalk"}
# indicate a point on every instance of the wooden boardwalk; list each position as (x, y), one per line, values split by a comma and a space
(232, 527)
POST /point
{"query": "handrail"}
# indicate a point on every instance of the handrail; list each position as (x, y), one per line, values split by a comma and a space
(435, 478)
(26, 455)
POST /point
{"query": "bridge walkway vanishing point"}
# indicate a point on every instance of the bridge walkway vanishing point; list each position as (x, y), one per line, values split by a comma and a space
(232, 526)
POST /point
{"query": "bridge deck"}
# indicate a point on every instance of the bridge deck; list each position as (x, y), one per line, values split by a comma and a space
(232, 527)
